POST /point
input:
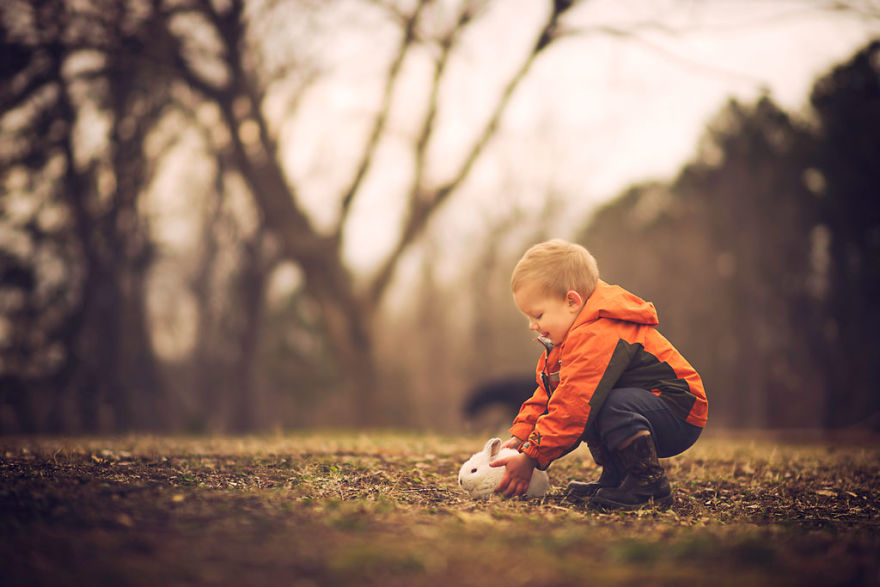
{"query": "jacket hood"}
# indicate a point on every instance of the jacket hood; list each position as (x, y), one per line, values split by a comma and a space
(612, 301)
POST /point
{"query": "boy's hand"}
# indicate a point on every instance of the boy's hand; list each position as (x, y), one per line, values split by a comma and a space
(513, 443)
(518, 475)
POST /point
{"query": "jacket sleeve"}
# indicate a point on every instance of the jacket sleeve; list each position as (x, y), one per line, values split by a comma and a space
(530, 411)
(585, 363)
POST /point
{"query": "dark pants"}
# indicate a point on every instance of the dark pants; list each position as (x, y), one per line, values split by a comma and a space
(630, 410)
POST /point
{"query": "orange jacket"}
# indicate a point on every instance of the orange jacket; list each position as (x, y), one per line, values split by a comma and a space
(613, 342)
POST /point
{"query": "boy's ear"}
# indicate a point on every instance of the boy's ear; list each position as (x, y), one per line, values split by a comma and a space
(573, 299)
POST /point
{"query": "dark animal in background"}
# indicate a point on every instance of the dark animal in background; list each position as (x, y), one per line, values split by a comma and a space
(503, 394)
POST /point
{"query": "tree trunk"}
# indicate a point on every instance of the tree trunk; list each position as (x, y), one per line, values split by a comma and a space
(251, 292)
(348, 321)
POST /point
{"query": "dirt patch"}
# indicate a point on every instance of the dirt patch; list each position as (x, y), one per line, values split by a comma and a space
(347, 508)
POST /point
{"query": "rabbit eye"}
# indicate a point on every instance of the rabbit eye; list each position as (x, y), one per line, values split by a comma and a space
(474, 470)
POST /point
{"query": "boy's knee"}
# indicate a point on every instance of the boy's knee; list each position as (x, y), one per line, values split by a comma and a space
(616, 428)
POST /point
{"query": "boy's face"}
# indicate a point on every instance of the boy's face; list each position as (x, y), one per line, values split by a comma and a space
(549, 316)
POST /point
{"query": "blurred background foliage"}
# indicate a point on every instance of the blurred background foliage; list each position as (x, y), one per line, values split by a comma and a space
(164, 266)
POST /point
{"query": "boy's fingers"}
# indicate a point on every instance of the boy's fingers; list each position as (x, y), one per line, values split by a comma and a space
(503, 485)
(514, 489)
(500, 462)
(510, 486)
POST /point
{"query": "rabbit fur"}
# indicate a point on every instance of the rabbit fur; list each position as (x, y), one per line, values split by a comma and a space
(479, 480)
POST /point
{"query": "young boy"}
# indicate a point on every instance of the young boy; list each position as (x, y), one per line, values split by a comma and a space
(608, 377)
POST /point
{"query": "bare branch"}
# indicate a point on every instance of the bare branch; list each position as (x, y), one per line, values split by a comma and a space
(269, 187)
(423, 202)
(865, 9)
(424, 136)
(294, 102)
(632, 35)
(183, 69)
(548, 34)
(406, 42)
(16, 96)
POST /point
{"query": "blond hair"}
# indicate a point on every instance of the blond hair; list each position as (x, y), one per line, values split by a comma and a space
(556, 267)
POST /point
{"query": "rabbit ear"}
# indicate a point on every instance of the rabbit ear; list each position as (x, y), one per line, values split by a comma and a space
(492, 447)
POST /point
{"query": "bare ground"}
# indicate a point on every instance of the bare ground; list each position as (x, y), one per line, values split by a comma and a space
(351, 508)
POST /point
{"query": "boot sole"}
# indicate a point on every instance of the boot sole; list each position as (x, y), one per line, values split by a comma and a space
(610, 504)
(581, 493)
(579, 497)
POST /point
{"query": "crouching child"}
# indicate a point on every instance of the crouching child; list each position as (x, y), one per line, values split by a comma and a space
(606, 377)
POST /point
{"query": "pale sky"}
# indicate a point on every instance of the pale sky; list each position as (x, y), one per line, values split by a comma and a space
(596, 113)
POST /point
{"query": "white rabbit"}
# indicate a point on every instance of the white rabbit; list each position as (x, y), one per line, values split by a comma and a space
(480, 480)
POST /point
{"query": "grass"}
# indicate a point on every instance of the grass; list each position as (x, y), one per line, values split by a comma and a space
(340, 508)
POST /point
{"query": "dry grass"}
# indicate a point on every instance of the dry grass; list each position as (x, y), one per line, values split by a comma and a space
(338, 508)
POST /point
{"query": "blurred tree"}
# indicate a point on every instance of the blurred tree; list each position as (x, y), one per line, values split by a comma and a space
(86, 85)
(764, 256)
(89, 91)
(72, 210)
(759, 215)
(847, 101)
(724, 252)
(216, 56)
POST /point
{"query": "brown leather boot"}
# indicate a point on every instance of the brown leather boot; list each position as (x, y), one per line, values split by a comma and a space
(611, 476)
(645, 482)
